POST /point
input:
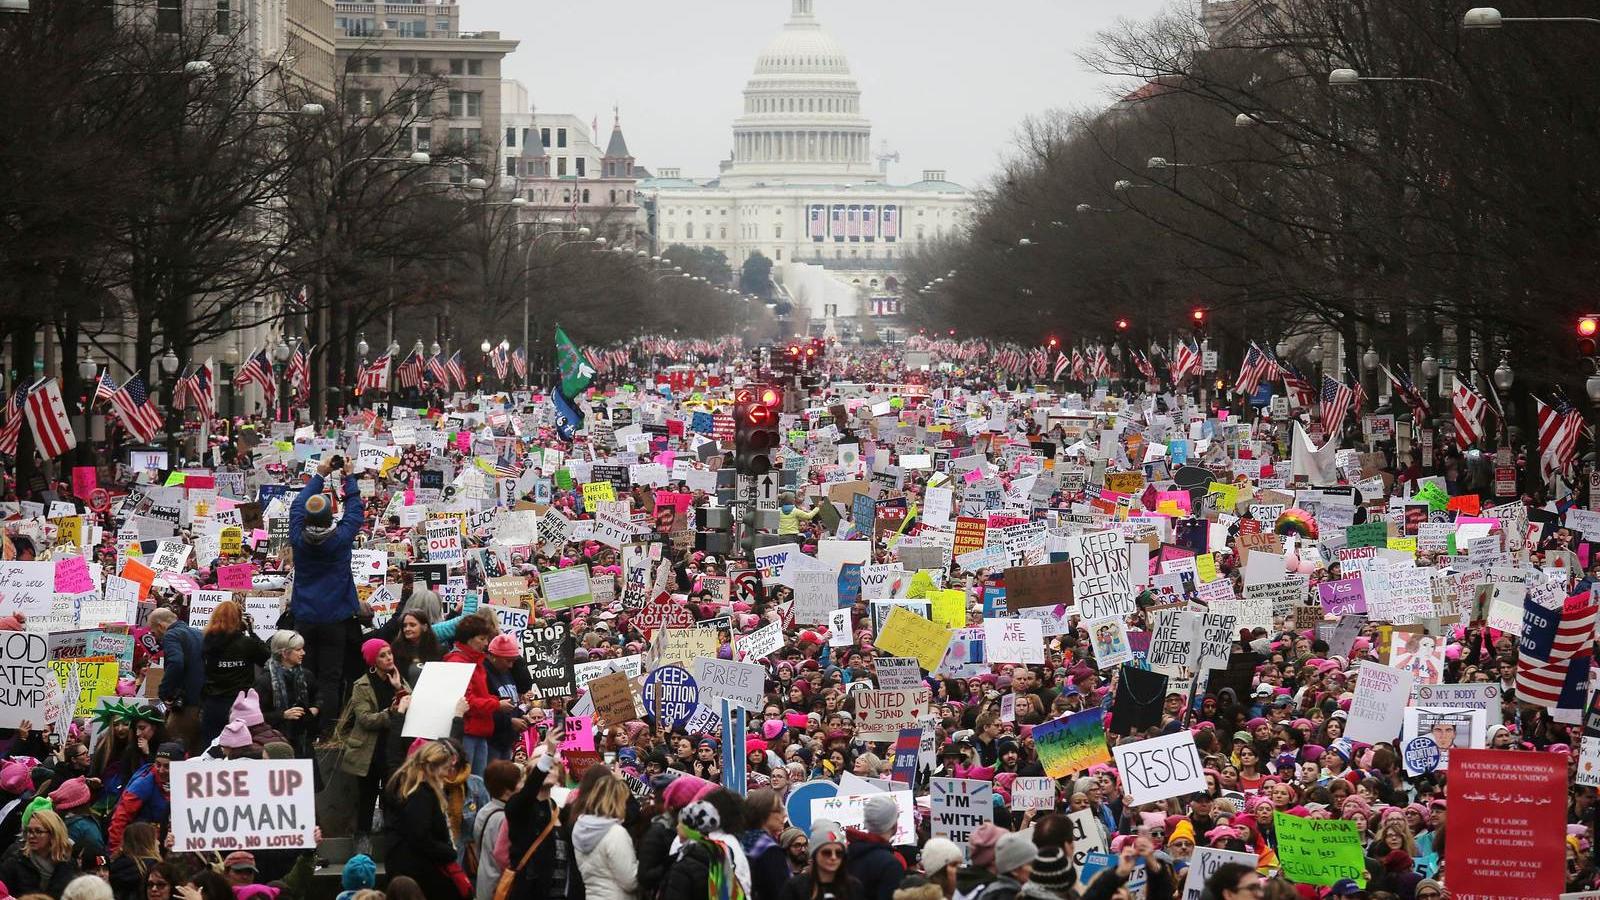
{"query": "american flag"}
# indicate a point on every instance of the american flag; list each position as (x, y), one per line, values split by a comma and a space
(1256, 366)
(1469, 409)
(197, 389)
(1566, 647)
(1406, 390)
(1336, 402)
(1358, 400)
(1185, 361)
(506, 466)
(1080, 366)
(409, 372)
(258, 370)
(1102, 363)
(300, 300)
(375, 376)
(497, 356)
(132, 405)
(1559, 427)
(519, 363)
(457, 371)
(1061, 365)
(103, 388)
(298, 372)
(1142, 362)
(437, 371)
(1299, 389)
(12, 429)
(1038, 360)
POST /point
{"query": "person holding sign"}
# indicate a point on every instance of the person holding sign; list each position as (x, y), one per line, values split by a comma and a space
(323, 606)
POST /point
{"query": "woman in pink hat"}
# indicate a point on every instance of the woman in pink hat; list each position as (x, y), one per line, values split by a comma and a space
(369, 729)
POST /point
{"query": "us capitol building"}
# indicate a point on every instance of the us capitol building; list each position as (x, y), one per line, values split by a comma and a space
(806, 187)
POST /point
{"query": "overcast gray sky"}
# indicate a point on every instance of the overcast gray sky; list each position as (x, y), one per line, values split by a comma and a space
(945, 82)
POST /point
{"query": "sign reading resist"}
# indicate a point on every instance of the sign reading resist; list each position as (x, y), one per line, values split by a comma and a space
(1161, 767)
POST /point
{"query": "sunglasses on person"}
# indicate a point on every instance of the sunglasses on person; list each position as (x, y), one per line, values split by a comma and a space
(830, 852)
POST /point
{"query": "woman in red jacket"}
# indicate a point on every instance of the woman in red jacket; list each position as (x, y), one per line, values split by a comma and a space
(472, 637)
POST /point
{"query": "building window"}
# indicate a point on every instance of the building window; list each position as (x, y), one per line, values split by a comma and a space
(566, 197)
(919, 232)
(224, 16)
(561, 166)
(374, 65)
(362, 102)
(474, 67)
(688, 231)
(777, 232)
(442, 26)
(778, 253)
(723, 232)
(544, 137)
(561, 137)
(458, 136)
(613, 198)
(672, 232)
(888, 253)
(578, 166)
(511, 166)
(169, 16)
(413, 28)
(527, 135)
(585, 191)
(630, 196)
(466, 104)
(407, 65)
(474, 137)
(458, 67)
(511, 137)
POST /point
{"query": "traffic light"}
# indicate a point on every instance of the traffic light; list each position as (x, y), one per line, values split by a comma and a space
(1199, 316)
(1122, 324)
(1588, 332)
(755, 429)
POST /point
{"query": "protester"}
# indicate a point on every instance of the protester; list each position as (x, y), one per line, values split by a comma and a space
(324, 603)
(42, 863)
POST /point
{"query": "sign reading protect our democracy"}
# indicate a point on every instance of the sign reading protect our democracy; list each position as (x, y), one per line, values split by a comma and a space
(243, 804)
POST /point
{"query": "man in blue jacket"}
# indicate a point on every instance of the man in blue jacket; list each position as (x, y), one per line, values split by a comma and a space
(183, 673)
(324, 604)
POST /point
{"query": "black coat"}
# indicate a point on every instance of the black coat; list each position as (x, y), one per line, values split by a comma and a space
(127, 882)
(298, 731)
(526, 818)
(875, 865)
(655, 856)
(689, 875)
(421, 845)
(231, 662)
(798, 887)
(23, 877)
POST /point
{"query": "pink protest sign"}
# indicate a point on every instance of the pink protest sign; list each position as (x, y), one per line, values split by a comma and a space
(580, 734)
(464, 442)
(236, 577)
(84, 480)
(72, 576)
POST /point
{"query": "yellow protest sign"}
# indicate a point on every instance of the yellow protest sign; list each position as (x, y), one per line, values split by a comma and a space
(1227, 495)
(1408, 545)
(921, 585)
(679, 646)
(1124, 482)
(69, 530)
(597, 492)
(232, 541)
(907, 634)
(1205, 565)
(97, 677)
(949, 608)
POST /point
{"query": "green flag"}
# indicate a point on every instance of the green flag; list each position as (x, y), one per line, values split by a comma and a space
(576, 373)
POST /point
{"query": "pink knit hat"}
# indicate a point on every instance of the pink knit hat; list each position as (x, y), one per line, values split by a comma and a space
(247, 708)
(371, 648)
(72, 794)
(15, 778)
(684, 790)
(235, 736)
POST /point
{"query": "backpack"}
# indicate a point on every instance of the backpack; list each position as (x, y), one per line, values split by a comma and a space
(470, 863)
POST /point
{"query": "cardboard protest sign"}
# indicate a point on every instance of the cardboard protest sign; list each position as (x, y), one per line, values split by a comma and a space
(1046, 585)
(1088, 835)
(907, 634)
(1171, 640)
(1160, 767)
(762, 642)
(1072, 743)
(27, 587)
(243, 804)
(547, 654)
(881, 714)
(1320, 851)
(849, 810)
(433, 700)
(614, 700)
(1102, 584)
(25, 675)
(1379, 704)
(1507, 823)
(957, 806)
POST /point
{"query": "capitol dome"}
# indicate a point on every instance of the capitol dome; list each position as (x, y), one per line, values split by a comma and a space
(802, 120)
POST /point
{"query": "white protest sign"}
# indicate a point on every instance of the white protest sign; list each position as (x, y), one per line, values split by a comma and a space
(433, 701)
(897, 673)
(1033, 793)
(957, 806)
(849, 810)
(1205, 862)
(840, 633)
(27, 587)
(720, 679)
(881, 714)
(1088, 836)
(1014, 641)
(25, 675)
(762, 642)
(1378, 709)
(243, 804)
(444, 542)
(1161, 767)
(513, 620)
(1102, 584)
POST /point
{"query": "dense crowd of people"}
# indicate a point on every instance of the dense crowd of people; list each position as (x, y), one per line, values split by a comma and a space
(514, 803)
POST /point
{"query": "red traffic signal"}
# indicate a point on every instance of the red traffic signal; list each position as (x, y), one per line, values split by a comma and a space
(1588, 326)
(770, 397)
(1122, 324)
(1198, 315)
(760, 415)
(1053, 343)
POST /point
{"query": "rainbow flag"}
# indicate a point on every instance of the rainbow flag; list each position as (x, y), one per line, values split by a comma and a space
(1072, 743)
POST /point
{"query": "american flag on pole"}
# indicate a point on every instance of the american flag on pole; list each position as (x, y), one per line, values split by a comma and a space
(1145, 367)
(104, 387)
(132, 405)
(437, 371)
(1061, 366)
(298, 371)
(498, 357)
(519, 363)
(1469, 409)
(258, 370)
(1555, 649)
(300, 300)
(1185, 361)
(375, 376)
(1358, 398)
(409, 372)
(1559, 427)
(196, 389)
(457, 371)
(1102, 363)
(12, 429)
(1080, 366)
(1256, 366)
(1406, 390)
(1336, 400)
